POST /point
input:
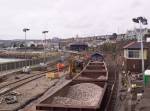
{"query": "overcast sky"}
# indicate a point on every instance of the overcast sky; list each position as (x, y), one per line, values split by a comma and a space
(67, 18)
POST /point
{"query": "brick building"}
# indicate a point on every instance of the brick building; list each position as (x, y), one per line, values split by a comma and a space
(133, 57)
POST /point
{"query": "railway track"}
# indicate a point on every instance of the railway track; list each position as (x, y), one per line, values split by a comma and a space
(6, 88)
(13, 85)
(112, 91)
(17, 86)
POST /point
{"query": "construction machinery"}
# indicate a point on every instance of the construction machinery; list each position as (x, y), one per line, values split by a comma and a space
(43, 66)
(26, 69)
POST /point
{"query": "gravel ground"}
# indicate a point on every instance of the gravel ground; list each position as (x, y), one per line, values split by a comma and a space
(60, 83)
(12, 77)
(28, 91)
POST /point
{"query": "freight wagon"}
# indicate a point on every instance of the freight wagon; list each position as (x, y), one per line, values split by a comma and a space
(94, 71)
(86, 92)
(76, 96)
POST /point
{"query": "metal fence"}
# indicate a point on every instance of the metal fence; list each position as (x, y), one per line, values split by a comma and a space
(21, 64)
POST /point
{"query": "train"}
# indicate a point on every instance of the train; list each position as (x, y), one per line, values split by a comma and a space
(85, 92)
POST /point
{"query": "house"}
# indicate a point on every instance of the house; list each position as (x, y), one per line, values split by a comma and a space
(135, 34)
(133, 57)
(120, 37)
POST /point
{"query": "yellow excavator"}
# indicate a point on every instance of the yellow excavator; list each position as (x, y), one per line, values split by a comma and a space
(72, 68)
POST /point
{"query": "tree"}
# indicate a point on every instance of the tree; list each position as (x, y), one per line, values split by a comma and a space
(22, 45)
(14, 45)
(109, 47)
(32, 46)
(114, 35)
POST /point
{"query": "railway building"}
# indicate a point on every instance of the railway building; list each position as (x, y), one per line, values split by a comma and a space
(97, 56)
(132, 56)
(78, 46)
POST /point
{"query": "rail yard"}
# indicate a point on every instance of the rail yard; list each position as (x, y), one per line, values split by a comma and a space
(67, 81)
(77, 87)
(75, 55)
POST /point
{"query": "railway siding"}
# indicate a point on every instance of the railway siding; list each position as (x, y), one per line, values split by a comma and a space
(25, 89)
(27, 92)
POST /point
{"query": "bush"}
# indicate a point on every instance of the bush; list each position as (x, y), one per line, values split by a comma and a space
(109, 47)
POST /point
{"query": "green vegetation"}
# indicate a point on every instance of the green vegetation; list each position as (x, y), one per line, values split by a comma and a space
(109, 47)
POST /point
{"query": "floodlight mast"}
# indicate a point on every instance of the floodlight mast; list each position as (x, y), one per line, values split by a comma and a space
(25, 31)
(141, 21)
(44, 32)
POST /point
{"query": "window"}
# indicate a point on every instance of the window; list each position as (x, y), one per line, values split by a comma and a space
(134, 54)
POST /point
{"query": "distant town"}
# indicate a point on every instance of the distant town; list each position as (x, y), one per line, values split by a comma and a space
(56, 43)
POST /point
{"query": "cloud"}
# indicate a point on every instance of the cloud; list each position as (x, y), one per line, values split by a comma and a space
(66, 18)
(136, 4)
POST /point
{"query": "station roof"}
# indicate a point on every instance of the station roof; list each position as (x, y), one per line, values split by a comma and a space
(137, 45)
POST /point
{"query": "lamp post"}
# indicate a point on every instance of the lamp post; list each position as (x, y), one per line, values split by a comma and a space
(25, 31)
(141, 21)
(44, 32)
